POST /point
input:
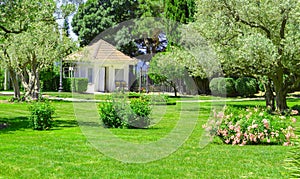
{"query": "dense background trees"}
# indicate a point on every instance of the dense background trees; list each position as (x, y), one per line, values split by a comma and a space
(257, 38)
(94, 16)
(180, 10)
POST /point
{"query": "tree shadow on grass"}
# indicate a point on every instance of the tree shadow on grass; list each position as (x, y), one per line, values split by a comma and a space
(64, 123)
(21, 123)
(293, 99)
(14, 124)
(245, 106)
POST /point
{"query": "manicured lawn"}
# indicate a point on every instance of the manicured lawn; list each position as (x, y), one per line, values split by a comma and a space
(64, 151)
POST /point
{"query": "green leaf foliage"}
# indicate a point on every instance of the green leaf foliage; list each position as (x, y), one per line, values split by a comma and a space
(95, 16)
(41, 115)
(246, 86)
(118, 113)
(180, 10)
(222, 86)
(255, 38)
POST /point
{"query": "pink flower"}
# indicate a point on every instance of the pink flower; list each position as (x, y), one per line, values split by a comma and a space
(268, 140)
(237, 128)
(231, 127)
(294, 120)
(225, 132)
(246, 135)
(227, 141)
(294, 112)
(251, 137)
(261, 136)
(286, 144)
(254, 126)
(282, 117)
(220, 115)
(265, 121)
(290, 128)
(288, 136)
(249, 115)
(266, 124)
(254, 139)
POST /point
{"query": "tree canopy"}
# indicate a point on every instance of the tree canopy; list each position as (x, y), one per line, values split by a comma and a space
(255, 38)
(31, 43)
(95, 16)
(180, 10)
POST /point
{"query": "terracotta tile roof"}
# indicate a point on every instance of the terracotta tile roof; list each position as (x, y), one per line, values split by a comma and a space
(100, 51)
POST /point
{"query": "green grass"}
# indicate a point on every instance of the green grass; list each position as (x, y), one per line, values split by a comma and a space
(64, 152)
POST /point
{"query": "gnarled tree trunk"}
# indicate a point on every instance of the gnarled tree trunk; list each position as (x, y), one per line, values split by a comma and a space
(14, 80)
(281, 92)
(269, 96)
(31, 83)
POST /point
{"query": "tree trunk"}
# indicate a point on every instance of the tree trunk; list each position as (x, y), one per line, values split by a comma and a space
(36, 90)
(14, 80)
(269, 96)
(281, 104)
(174, 88)
(202, 85)
(281, 92)
(31, 83)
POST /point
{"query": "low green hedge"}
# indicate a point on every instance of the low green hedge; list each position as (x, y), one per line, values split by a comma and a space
(246, 86)
(75, 84)
(222, 87)
(80, 84)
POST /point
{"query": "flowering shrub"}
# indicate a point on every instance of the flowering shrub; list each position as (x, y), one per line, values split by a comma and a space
(251, 126)
(295, 110)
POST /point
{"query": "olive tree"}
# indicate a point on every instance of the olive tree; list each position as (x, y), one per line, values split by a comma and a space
(259, 38)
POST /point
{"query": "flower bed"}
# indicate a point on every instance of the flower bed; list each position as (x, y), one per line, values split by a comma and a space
(238, 126)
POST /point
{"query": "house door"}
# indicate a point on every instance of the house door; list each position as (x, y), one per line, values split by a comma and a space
(101, 82)
(106, 83)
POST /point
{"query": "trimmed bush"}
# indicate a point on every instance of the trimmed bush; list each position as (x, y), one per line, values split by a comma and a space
(118, 113)
(80, 84)
(213, 86)
(49, 80)
(67, 82)
(141, 110)
(222, 87)
(108, 112)
(41, 115)
(246, 86)
(226, 87)
(77, 84)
